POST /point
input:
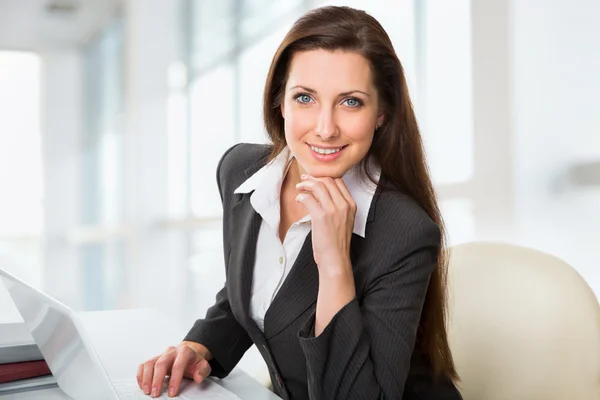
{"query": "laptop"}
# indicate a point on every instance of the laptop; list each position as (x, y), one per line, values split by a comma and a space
(71, 357)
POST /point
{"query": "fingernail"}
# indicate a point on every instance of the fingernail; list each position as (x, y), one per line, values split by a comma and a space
(299, 197)
(154, 392)
(146, 390)
(171, 392)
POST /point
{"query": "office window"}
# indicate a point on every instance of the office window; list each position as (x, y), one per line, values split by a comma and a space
(177, 135)
(212, 129)
(21, 211)
(102, 261)
(445, 109)
(258, 17)
(20, 145)
(254, 63)
(21, 220)
(213, 33)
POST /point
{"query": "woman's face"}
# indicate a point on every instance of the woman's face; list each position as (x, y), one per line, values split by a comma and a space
(330, 110)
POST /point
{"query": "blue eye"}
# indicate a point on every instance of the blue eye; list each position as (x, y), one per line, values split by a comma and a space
(302, 98)
(353, 102)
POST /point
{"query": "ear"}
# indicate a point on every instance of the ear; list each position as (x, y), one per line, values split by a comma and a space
(380, 119)
(282, 108)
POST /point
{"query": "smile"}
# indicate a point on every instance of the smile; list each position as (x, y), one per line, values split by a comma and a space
(326, 154)
(326, 151)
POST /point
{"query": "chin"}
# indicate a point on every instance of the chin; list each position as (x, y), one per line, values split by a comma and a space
(323, 171)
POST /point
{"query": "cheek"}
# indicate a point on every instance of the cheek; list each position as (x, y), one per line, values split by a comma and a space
(297, 123)
(358, 130)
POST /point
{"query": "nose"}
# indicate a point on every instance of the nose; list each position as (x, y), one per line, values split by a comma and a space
(326, 127)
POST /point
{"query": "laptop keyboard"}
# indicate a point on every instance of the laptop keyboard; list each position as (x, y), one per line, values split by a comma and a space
(129, 390)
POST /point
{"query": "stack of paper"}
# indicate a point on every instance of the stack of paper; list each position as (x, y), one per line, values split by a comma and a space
(22, 365)
(23, 370)
(41, 382)
(17, 345)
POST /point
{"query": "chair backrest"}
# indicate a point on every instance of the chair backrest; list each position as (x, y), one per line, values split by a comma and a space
(523, 325)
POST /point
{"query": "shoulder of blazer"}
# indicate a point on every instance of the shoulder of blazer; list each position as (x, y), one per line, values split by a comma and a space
(399, 232)
(395, 214)
(399, 208)
(239, 163)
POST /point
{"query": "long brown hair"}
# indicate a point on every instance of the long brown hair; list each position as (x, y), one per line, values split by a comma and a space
(344, 28)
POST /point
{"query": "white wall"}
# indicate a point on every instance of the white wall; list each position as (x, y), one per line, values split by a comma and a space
(556, 87)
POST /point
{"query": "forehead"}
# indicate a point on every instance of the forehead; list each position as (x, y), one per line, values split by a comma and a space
(335, 70)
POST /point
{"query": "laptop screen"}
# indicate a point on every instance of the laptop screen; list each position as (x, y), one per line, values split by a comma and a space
(62, 341)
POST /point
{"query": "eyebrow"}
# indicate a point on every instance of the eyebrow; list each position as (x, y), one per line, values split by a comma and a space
(313, 91)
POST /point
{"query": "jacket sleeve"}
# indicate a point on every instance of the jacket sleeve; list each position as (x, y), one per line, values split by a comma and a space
(222, 335)
(219, 331)
(365, 350)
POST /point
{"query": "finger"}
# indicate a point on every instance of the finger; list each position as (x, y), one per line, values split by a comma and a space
(148, 374)
(184, 356)
(161, 368)
(334, 191)
(346, 193)
(202, 371)
(140, 375)
(319, 191)
(310, 203)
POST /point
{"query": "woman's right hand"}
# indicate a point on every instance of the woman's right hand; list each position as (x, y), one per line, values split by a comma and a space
(189, 360)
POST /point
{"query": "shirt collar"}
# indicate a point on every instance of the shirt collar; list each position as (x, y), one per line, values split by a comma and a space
(267, 181)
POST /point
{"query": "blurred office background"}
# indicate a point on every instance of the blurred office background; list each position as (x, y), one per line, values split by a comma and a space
(114, 114)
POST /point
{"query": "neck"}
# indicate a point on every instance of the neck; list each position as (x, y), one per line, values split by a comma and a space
(292, 178)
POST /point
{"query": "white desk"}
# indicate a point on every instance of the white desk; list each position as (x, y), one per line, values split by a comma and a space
(125, 339)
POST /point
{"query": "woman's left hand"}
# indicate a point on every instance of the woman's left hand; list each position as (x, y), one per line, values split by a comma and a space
(332, 211)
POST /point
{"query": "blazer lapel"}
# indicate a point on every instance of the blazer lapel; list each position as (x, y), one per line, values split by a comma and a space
(298, 292)
(246, 226)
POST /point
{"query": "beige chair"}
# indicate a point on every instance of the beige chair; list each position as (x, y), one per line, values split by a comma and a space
(523, 325)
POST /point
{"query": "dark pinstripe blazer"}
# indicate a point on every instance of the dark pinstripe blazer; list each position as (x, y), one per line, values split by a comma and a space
(366, 351)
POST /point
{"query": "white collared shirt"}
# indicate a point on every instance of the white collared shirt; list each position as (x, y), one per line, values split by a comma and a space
(275, 259)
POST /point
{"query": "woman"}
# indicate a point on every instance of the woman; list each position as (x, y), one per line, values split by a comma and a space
(333, 240)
